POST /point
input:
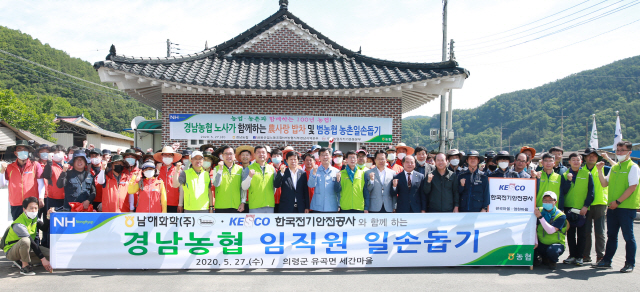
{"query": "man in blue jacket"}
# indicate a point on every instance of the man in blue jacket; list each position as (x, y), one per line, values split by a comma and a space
(474, 186)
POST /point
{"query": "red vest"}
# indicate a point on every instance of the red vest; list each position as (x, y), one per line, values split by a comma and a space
(277, 193)
(173, 194)
(98, 198)
(22, 184)
(149, 195)
(115, 196)
(53, 192)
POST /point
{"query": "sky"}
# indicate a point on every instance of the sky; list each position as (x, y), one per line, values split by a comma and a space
(507, 45)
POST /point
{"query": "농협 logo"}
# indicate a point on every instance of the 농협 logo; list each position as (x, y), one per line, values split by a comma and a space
(206, 221)
(128, 221)
(511, 256)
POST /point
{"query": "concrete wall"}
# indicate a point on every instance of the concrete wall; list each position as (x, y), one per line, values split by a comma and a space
(113, 144)
(64, 139)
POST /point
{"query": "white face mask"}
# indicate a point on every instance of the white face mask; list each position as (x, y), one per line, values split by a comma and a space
(421, 163)
(186, 162)
(23, 155)
(276, 160)
(455, 162)
(206, 164)
(57, 157)
(368, 165)
(401, 155)
(96, 160)
(391, 156)
(131, 161)
(337, 160)
(31, 215)
(167, 160)
(149, 173)
(621, 157)
(503, 164)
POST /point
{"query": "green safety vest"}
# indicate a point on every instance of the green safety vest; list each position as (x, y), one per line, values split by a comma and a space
(352, 194)
(579, 188)
(196, 190)
(548, 183)
(619, 182)
(228, 193)
(558, 236)
(13, 238)
(601, 193)
(261, 190)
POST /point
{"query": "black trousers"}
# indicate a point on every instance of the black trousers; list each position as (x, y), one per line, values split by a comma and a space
(229, 210)
(48, 203)
(172, 209)
(577, 239)
(16, 211)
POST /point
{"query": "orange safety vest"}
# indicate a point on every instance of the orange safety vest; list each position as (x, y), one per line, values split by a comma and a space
(22, 184)
(173, 194)
(149, 195)
(115, 196)
(53, 191)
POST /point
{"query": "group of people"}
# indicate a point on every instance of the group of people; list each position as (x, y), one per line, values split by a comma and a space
(571, 201)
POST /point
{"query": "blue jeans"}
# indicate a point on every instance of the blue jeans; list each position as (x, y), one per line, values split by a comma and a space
(550, 252)
(621, 219)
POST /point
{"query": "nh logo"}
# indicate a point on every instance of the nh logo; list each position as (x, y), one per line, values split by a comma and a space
(64, 222)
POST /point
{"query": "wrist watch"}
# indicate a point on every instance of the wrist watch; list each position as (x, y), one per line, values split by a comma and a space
(618, 202)
(540, 217)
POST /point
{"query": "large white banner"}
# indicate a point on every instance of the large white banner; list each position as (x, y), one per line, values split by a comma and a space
(510, 195)
(284, 127)
(251, 241)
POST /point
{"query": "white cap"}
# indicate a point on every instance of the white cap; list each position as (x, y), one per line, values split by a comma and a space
(550, 194)
(196, 153)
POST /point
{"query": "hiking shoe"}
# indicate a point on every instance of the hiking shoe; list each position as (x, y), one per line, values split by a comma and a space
(579, 262)
(627, 269)
(27, 271)
(570, 261)
(602, 265)
(17, 264)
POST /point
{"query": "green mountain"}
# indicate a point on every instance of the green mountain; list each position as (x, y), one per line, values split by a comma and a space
(531, 117)
(32, 90)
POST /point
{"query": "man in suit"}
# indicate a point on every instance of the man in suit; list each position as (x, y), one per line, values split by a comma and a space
(407, 186)
(378, 186)
(294, 192)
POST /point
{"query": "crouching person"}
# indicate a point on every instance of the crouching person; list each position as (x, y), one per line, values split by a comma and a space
(551, 230)
(21, 244)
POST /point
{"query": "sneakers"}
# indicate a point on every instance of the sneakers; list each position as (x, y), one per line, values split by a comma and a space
(602, 265)
(627, 269)
(27, 271)
(570, 261)
(586, 260)
(579, 262)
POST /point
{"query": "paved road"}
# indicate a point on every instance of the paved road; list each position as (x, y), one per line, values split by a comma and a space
(569, 278)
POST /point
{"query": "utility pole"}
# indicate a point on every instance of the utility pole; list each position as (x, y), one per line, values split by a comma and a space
(168, 48)
(501, 128)
(443, 98)
(561, 116)
(450, 116)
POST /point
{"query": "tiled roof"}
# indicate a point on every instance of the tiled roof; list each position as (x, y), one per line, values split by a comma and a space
(248, 62)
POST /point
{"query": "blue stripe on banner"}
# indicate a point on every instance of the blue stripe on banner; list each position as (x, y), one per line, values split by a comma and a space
(74, 223)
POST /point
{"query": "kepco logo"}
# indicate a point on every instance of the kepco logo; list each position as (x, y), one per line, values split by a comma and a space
(511, 187)
(249, 221)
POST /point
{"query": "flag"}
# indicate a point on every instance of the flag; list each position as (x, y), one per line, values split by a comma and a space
(594, 135)
(618, 137)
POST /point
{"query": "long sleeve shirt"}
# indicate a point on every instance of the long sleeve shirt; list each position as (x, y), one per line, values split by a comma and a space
(325, 198)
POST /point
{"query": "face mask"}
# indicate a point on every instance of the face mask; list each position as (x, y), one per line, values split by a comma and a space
(368, 165)
(131, 161)
(503, 164)
(455, 162)
(118, 168)
(337, 160)
(276, 160)
(421, 163)
(57, 157)
(359, 165)
(167, 160)
(96, 160)
(391, 156)
(149, 173)
(316, 156)
(44, 156)
(401, 155)
(547, 206)
(620, 157)
(31, 215)
(492, 167)
(23, 155)
(186, 162)
(206, 164)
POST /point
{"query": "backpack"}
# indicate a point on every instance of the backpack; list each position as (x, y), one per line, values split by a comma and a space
(4, 238)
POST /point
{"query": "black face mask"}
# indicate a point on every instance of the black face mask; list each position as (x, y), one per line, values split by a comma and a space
(118, 168)
(493, 167)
